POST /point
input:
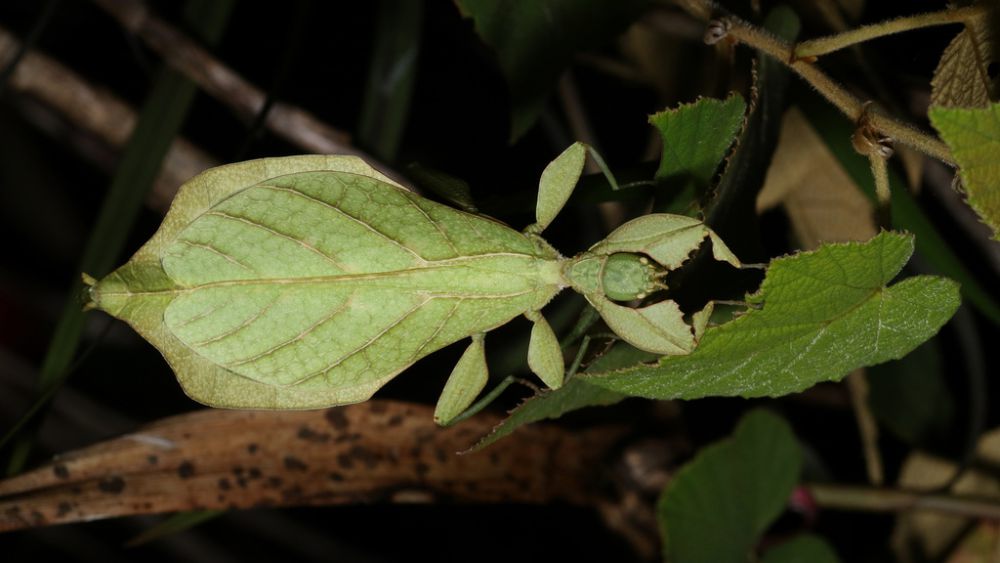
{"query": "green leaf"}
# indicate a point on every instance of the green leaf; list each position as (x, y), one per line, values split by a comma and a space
(805, 548)
(973, 135)
(535, 42)
(906, 212)
(576, 393)
(696, 137)
(823, 314)
(254, 309)
(717, 506)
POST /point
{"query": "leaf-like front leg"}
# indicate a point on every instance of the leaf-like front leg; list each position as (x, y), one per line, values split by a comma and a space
(667, 239)
(658, 328)
(464, 384)
(545, 356)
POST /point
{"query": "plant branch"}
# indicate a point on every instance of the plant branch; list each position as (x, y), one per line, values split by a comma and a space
(377, 451)
(825, 45)
(743, 32)
(95, 111)
(287, 121)
(873, 499)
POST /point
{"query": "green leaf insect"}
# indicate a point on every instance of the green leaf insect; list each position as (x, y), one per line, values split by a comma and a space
(311, 281)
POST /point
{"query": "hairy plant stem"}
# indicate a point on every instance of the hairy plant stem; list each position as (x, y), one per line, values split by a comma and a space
(883, 196)
(752, 36)
(875, 499)
(824, 45)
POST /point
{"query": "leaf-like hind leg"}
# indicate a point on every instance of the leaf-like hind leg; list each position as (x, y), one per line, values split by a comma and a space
(545, 357)
(467, 379)
(489, 398)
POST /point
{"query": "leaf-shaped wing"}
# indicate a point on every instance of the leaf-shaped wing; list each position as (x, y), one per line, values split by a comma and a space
(315, 287)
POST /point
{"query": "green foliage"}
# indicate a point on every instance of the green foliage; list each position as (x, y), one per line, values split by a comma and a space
(822, 314)
(906, 212)
(805, 548)
(696, 137)
(521, 32)
(716, 507)
(974, 138)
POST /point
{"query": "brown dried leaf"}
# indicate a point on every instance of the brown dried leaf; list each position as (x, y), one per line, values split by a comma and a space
(962, 78)
(821, 200)
(375, 451)
(933, 532)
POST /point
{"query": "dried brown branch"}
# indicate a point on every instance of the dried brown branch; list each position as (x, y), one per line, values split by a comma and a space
(98, 112)
(289, 122)
(376, 451)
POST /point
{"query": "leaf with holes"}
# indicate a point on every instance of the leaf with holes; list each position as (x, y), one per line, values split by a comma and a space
(311, 281)
(817, 316)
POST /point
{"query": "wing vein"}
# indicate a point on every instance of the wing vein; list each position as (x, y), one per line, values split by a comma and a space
(432, 221)
(280, 234)
(241, 326)
(305, 332)
(226, 256)
(345, 214)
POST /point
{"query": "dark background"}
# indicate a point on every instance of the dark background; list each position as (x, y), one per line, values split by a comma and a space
(458, 123)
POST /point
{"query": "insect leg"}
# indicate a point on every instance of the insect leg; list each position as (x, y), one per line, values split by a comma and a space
(467, 379)
(545, 356)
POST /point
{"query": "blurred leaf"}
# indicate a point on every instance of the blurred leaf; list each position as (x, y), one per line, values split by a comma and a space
(962, 77)
(823, 314)
(449, 188)
(806, 548)
(973, 135)
(909, 396)
(906, 213)
(696, 136)
(535, 42)
(717, 506)
(391, 76)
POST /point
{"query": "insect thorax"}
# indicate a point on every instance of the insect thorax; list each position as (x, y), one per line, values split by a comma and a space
(622, 276)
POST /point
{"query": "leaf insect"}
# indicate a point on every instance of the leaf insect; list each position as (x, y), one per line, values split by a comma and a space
(310, 281)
